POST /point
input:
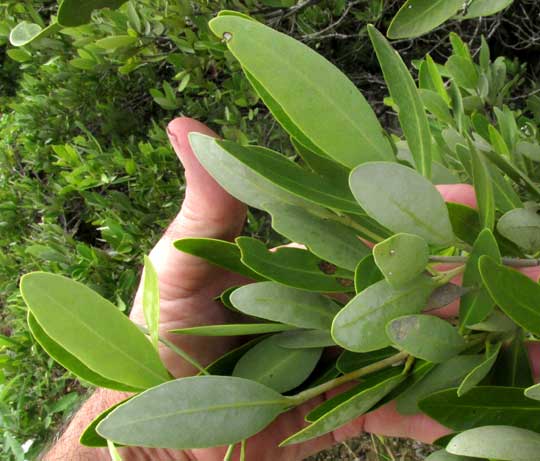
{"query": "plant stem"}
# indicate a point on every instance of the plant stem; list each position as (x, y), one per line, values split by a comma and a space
(352, 223)
(188, 358)
(228, 455)
(308, 394)
(444, 277)
(513, 262)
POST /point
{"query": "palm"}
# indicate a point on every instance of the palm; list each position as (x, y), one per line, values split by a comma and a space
(189, 284)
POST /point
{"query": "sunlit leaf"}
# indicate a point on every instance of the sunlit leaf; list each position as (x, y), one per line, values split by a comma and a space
(150, 300)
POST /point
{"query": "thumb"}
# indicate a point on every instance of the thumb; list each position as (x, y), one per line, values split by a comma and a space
(207, 211)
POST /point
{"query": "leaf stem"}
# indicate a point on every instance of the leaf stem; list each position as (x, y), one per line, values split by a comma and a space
(229, 453)
(352, 223)
(188, 358)
(512, 262)
(444, 277)
(308, 394)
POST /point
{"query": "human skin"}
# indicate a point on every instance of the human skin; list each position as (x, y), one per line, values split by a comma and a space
(187, 287)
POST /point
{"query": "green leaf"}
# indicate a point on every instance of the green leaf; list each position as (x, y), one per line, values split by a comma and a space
(276, 367)
(513, 367)
(465, 222)
(479, 8)
(402, 200)
(90, 438)
(530, 150)
(69, 361)
(225, 364)
(479, 372)
(349, 121)
(93, 330)
(293, 267)
(331, 171)
(233, 329)
(434, 73)
(401, 258)
(350, 361)
(521, 226)
(218, 252)
(289, 176)
(497, 322)
(483, 406)
(151, 300)
(533, 392)
(366, 273)
(503, 443)
(443, 455)
(515, 293)
(442, 376)
(305, 339)
(171, 415)
(360, 325)
(116, 41)
(73, 13)
(366, 395)
(417, 17)
(236, 178)
(444, 295)
(483, 188)
(435, 104)
(506, 198)
(272, 301)
(330, 240)
(477, 304)
(463, 71)
(403, 91)
(426, 337)
(25, 33)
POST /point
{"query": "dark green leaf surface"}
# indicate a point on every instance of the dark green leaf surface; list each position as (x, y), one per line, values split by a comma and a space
(482, 406)
(328, 239)
(417, 17)
(483, 188)
(477, 304)
(276, 367)
(521, 226)
(294, 267)
(225, 364)
(411, 113)
(218, 252)
(93, 330)
(503, 443)
(90, 438)
(465, 222)
(300, 339)
(349, 121)
(73, 13)
(368, 394)
(515, 293)
(350, 361)
(232, 329)
(360, 325)
(513, 368)
(402, 200)
(442, 376)
(292, 178)
(171, 415)
(426, 337)
(401, 258)
(69, 361)
(366, 273)
(479, 372)
(276, 302)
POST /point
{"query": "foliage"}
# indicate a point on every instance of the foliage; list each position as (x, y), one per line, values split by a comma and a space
(83, 165)
(382, 190)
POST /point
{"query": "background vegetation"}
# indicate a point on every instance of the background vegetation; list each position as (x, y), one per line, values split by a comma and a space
(87, 177)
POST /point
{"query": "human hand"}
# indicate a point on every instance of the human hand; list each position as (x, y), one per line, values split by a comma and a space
(188, 286)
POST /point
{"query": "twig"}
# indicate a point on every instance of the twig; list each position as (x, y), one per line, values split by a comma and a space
(513, 262)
